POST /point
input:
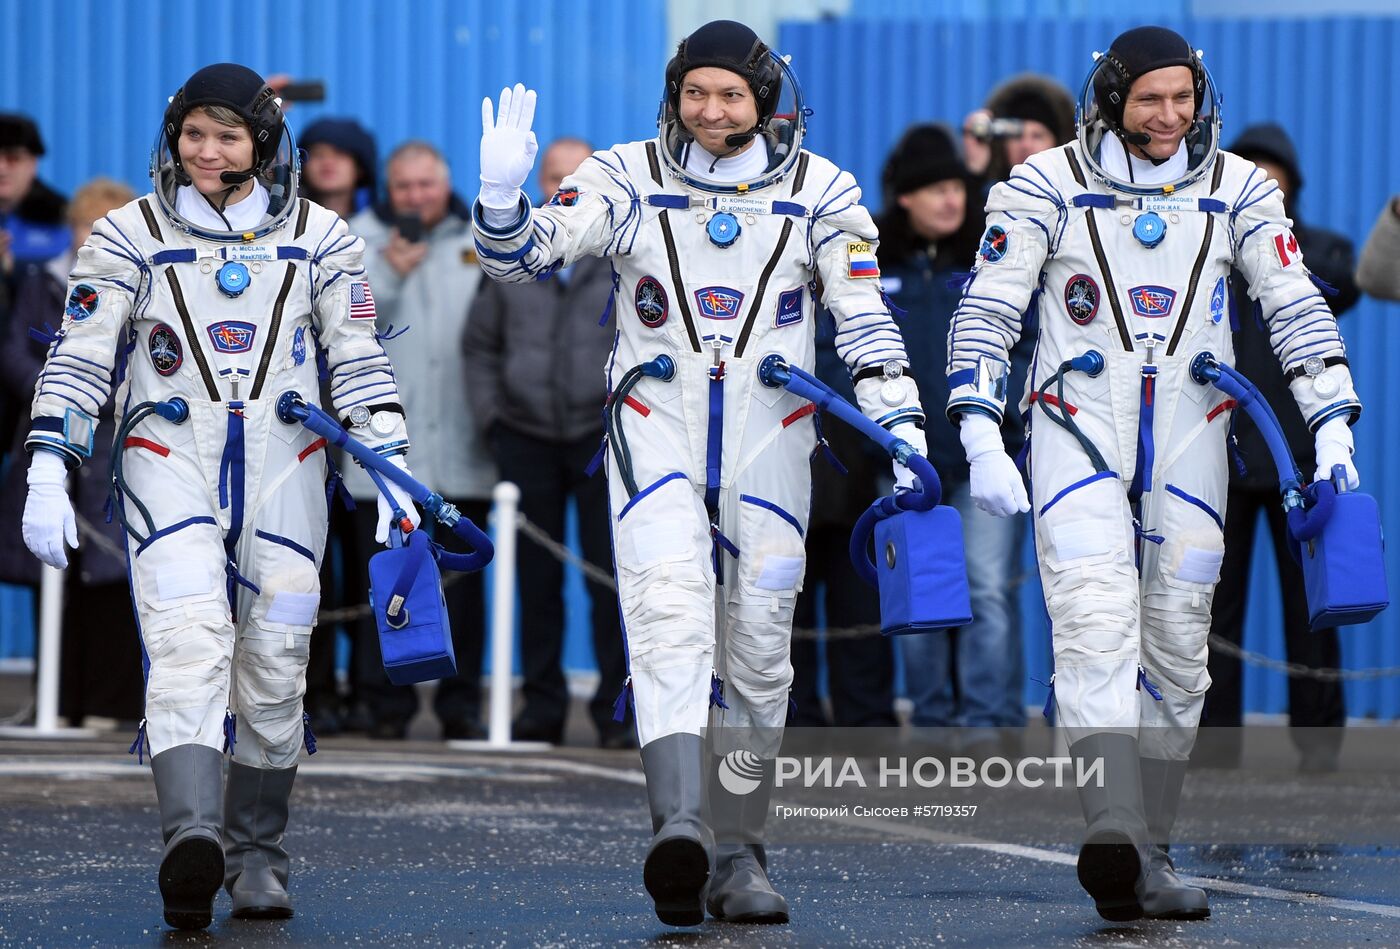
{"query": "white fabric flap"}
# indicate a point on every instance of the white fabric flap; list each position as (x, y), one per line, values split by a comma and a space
(779, 573)
(293, 609)
(1199, 565)
(662, 541)
(1077, 539)
(176, 580)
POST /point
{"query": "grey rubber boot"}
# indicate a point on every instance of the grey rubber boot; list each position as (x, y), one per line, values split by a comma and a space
(189, 785)
(256, 863)
(681, 854)
(1114, 857)
(739, 891)
(1164, 896)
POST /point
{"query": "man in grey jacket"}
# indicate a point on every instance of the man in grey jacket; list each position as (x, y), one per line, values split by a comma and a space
(422, 270)
(534, 355)
(1378, 273)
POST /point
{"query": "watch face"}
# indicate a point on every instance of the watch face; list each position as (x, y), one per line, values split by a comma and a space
(359, 415)
(1314, 366)
(893, 370)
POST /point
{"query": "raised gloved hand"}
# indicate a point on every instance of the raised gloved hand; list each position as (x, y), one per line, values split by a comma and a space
(996, 484)
(48, 514)
(508, 147)
(1334, 447)
(904, 477)
(401, 499)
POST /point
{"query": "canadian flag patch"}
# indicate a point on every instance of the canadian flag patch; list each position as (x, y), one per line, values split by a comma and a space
(1286, 246)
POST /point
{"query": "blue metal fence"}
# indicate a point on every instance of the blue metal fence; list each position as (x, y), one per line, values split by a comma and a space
(96, 76)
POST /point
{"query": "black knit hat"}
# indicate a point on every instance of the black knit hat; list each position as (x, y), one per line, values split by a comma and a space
(19, 131)
(350, 137)
(925, 154)
(1270, 142)
(1029, 105)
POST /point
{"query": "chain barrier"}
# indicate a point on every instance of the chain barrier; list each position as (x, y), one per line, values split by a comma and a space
(604, 578)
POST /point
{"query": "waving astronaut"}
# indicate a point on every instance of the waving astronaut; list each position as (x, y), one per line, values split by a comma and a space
(1128, 236)
(722, 231)
(214, 295)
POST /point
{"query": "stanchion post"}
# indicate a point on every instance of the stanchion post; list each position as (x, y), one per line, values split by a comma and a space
(507, 501)
(49, 652)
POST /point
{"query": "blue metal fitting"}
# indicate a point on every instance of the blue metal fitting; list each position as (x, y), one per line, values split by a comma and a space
(1149, 229)
(1204, 370)
(1090, 363)
(175, 410)
(723, 229)
(663, 367)
(232, 278)
(773, 371)
(288, 404)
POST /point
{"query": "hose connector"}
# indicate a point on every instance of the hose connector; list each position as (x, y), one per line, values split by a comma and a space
(773, 371)
(175, 410)
(1090, 363)
(1204, 369)
(289, 406)
(663, 367)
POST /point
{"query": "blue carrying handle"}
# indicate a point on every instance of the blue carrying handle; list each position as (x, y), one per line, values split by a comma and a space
(1307, 511)
(292, 408)
(774, 371)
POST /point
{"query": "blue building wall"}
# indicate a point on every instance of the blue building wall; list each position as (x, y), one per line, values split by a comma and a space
(96, 76)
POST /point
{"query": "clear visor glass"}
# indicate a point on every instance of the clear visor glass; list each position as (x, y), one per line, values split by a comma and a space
(1105, 152)
(279, 177)
(782, 136)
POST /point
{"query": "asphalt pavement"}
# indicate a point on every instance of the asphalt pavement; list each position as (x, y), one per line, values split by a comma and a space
(419, 843)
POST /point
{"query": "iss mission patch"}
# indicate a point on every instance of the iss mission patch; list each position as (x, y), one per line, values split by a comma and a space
(164, 347)
(651, 303)
(1082, 298)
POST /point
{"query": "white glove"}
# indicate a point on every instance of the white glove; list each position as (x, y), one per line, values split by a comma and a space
(996, 485)
(401, 499)
(508, 148)
(1334, 447)
(911, 433)
(48, 514)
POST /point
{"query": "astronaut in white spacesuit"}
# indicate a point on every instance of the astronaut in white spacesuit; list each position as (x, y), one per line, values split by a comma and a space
(215, 295)
(721, 232)
(1126, 238)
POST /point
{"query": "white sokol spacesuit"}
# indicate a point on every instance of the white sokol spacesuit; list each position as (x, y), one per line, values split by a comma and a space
(226, 508)
(1131, 260)
(708, 470)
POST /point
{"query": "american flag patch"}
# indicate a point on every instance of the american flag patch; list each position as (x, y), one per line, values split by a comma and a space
(361, 301)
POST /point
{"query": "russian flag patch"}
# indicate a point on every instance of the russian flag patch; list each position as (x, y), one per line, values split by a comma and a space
(860, 261)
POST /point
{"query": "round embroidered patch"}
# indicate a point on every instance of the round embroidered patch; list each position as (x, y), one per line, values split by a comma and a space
(165, 351)
(82, 303)
(1082, 298)
(652, 305)
(995, 244)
